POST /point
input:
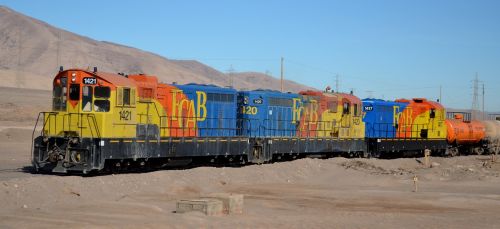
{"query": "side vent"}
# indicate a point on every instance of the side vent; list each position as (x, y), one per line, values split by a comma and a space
(119, 96)
(132, 97)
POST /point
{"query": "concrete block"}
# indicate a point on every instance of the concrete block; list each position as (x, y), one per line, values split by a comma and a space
(232, 203)
(209, 206)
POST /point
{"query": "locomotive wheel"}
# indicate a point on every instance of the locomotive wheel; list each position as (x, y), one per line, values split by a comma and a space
(478, 150)
(453, 152)
(53, 156)
(256, 153)
(76, 156)
(494, 149)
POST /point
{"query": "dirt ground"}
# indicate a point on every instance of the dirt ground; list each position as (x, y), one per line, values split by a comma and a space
(460, 192)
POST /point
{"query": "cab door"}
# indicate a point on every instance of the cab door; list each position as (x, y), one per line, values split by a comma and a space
(346, 118)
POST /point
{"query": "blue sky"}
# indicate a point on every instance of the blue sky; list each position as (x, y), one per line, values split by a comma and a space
(394, 48)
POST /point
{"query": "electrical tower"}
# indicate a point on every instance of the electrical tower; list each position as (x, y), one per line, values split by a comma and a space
(475, 98)
(484, 113)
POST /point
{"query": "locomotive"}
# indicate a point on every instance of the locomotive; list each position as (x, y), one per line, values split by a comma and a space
(404, 127)
(102, 121)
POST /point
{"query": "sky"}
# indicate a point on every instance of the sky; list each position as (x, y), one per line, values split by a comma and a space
(385, 49)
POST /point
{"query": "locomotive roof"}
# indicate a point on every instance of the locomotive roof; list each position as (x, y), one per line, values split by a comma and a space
(381, 102)
(406, 101)
(270, 93)
(112, 78)
(350, 97)
(205, 87)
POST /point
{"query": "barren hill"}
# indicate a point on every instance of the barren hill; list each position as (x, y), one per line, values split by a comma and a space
(31, 51)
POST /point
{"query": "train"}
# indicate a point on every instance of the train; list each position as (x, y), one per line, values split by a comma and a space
(117, 122)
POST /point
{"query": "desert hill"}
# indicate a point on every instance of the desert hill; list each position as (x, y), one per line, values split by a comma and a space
(31, 51)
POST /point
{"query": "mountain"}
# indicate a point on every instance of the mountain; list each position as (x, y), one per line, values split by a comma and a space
(31, 51)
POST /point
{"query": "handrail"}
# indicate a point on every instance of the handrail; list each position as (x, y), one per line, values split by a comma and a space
(92, 116)
(403, 131)
(67, 117)
(33, 136)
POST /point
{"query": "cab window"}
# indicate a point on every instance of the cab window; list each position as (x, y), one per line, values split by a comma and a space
(432, 113)
(101, 102)
(102, 92)
(357, 109)
(59, 95)
(126, 96)
(101, 105)
(74, 92)
(87, 98)
(346, 108)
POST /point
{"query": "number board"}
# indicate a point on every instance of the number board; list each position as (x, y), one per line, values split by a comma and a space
(89, 80)
(258, 101)
(368, 108)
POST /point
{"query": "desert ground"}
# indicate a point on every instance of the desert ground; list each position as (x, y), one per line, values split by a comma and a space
(459, 192)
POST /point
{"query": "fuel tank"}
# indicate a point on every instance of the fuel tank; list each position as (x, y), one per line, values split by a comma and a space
(464, 133)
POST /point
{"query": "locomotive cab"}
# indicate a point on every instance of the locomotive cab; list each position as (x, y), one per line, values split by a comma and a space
(87, 108)
(83, 102)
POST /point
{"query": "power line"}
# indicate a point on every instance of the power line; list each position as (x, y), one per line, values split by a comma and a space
(232, 59)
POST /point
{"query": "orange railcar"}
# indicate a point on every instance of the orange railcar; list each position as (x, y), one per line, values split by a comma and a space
(462, 133)
(465, 136)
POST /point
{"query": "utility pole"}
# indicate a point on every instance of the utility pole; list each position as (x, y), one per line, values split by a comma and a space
(440, 93)
(337, 86)
(475, 99)
(282, 72)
